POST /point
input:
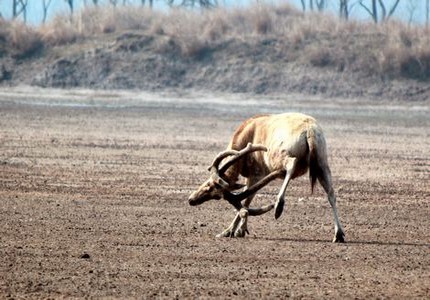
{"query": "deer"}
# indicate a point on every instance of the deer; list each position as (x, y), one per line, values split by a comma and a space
(262, 149)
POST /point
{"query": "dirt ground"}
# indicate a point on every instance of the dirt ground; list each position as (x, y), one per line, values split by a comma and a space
(94, 188)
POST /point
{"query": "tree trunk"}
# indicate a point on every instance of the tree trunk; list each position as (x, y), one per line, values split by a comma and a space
(343, 9)
(46, 4)
(427, 12)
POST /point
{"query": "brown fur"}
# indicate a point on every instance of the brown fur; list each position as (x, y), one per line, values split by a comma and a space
(259, 130)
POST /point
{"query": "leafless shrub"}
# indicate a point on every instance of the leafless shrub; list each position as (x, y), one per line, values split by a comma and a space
(97, 20)
(195, 47)
(3, 29)
(320, 56)
(60, 31)
(167, 45)
(263, 21)
(407, 52)
(216, 26)
(406, 62)
(186, 29)
(156, 28)
(285, 10)
(24, 41)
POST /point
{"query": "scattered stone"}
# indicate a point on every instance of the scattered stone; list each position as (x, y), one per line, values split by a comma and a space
(85, 256)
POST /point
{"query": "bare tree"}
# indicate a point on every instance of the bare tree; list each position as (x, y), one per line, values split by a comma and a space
(343, 9)
(71, 6)
(19, 7)
(46, 4)
(386, 15)
(151, 2)
(303, 4)
(194, 3)
(320, 5)
(412, 7)
(427, 12)
(373, 10)
(95, 2)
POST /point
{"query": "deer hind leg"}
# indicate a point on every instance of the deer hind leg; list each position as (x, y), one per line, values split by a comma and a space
(325, 180)
(289, 168)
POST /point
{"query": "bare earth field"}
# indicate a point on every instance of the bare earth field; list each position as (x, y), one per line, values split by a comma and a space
(94, 188)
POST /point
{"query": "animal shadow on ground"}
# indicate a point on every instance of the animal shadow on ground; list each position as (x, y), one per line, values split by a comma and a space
(347, 242)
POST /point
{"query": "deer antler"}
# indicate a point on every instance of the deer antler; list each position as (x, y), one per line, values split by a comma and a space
(214, 167)
(235, 199)
(218, 159)
(251, 211)
(248, 149)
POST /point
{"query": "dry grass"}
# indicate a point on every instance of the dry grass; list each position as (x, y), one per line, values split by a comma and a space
(60, 31)
(18, 40)
(390, 50)
(407, 51)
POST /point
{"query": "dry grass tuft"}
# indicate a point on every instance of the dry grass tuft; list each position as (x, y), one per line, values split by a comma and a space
(97, 20)
(216, 26)
(263, 20)
(389, 50)
(61, 31)
(406, 52)
(19, 40)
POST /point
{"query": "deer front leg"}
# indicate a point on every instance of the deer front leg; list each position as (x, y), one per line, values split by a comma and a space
(242, 217)
(229, 231)
(236, 230)
(239, 226)
(242, 229)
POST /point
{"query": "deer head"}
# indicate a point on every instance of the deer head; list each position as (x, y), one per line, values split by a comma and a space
(217, 186)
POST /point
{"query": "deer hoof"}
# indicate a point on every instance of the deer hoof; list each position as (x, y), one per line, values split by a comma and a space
(225, 233)
(279, 208)
(339, 237)
(240, 233)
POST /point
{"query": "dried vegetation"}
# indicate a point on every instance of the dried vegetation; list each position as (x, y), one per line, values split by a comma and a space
(391, 50)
